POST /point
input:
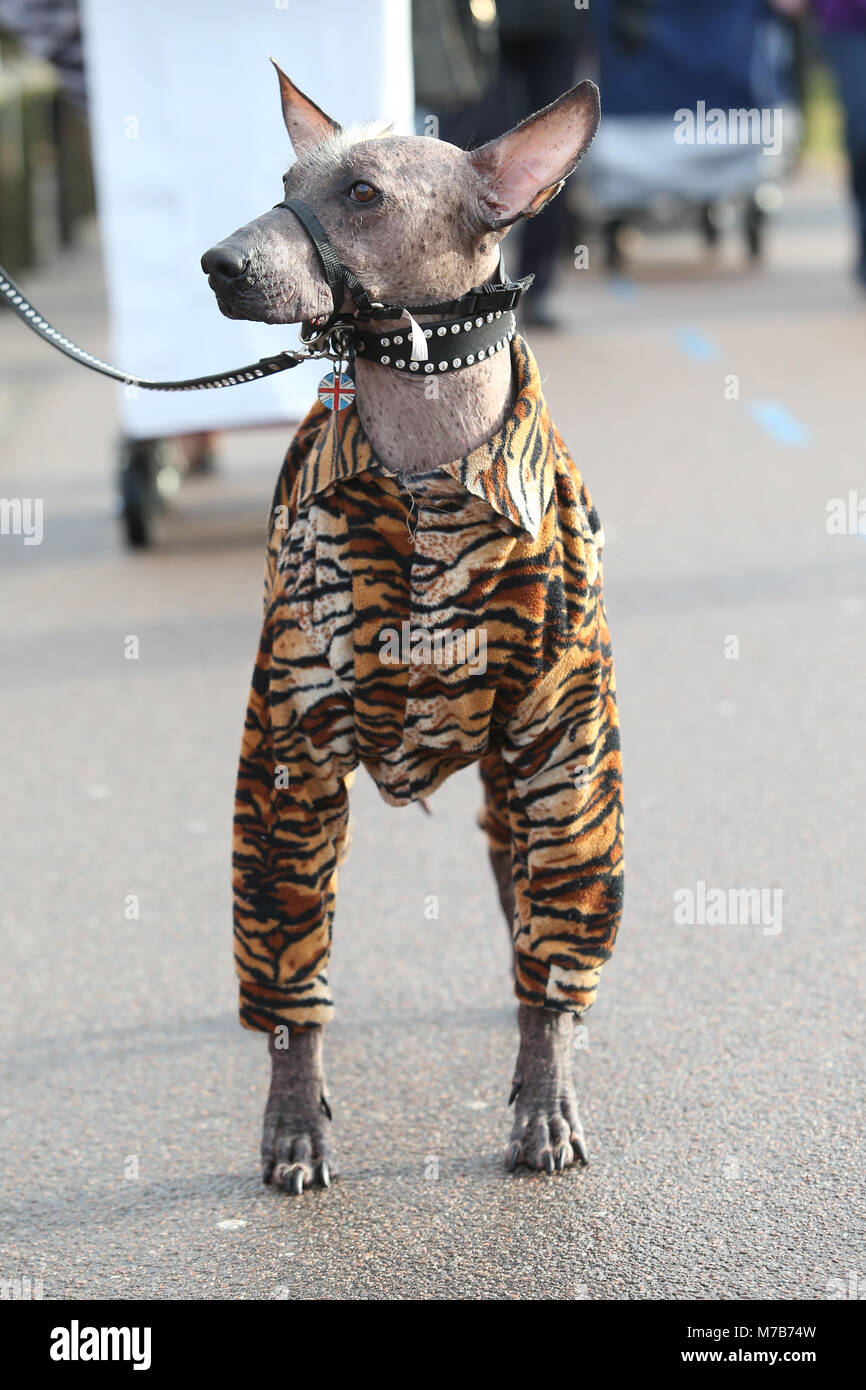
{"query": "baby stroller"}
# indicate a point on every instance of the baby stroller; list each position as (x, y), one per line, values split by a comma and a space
(701, 116)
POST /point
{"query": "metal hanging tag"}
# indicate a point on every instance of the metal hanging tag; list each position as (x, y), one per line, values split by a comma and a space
(337, 388)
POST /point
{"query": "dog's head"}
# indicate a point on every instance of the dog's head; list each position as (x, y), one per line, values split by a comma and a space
(416, 219)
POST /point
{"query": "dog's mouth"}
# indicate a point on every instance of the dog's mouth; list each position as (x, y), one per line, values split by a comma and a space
(262, 283)
(266, 299)
(230, 301)
(249, 302)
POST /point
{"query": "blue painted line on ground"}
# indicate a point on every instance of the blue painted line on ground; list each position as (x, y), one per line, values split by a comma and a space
(622, 287)
(695, 345)
(779, 423)
(773, 417)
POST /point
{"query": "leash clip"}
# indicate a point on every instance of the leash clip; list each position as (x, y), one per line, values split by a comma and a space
(337, 388)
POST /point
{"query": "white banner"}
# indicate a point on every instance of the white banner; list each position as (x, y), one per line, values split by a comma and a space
(189, 143)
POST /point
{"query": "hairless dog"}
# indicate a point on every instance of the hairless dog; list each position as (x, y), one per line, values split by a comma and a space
(442, 491)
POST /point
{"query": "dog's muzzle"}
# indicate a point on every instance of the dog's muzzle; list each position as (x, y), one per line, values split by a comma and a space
(226, 267)
(475, 316)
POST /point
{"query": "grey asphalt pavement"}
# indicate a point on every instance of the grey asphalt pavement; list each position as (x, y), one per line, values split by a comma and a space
(722, 1082)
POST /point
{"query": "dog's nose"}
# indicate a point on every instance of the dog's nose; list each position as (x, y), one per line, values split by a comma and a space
(227, 262)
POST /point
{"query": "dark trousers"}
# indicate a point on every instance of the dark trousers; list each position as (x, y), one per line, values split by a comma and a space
(846, 50)
(532, 73)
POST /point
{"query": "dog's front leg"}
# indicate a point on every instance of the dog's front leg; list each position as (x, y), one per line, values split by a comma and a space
(547, 1133)
(296, 1151)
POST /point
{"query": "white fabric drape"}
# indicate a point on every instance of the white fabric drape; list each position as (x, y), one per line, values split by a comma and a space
(189, 144)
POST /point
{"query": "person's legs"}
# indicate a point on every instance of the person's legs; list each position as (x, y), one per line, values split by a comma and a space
(846, 50)
(532, 73)
(547, 67)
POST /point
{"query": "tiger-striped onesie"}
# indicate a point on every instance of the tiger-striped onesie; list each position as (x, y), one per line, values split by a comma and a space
(502, 545)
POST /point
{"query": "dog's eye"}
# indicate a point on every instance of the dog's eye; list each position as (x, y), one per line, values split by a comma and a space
(362, 192)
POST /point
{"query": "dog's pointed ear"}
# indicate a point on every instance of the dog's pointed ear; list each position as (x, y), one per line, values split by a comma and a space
(522, 170)
(306, 123)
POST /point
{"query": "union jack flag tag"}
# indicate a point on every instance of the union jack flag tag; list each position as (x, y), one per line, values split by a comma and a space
(337, 390)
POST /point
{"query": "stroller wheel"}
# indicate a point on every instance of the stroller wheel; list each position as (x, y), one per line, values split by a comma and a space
(709, 222)
(139, 498)
(613, 257)
(753, 226)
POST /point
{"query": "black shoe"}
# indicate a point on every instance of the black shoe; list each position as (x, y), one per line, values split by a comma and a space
(539, 316)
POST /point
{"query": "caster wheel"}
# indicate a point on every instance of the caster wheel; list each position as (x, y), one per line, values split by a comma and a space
(709, 223)
(613, 256)
(755, 219)
(139, 498)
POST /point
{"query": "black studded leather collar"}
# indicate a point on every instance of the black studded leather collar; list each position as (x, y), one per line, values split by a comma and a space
(451, 343)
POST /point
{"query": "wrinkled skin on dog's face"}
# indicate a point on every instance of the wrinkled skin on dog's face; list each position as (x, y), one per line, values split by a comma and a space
(400, 246)
(415, 218)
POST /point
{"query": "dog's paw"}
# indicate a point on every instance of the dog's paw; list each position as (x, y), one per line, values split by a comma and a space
(547, 1135)
(296, 1151)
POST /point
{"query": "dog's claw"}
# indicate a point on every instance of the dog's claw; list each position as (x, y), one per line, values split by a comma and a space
(511, 1158)
(560, 1161)
(515, 1092)
(580, 1149)
(549, 1165)
(295, 1149)
(296, 1182)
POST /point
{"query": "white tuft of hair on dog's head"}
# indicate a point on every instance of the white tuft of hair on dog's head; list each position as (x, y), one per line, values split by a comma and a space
(328, 156)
